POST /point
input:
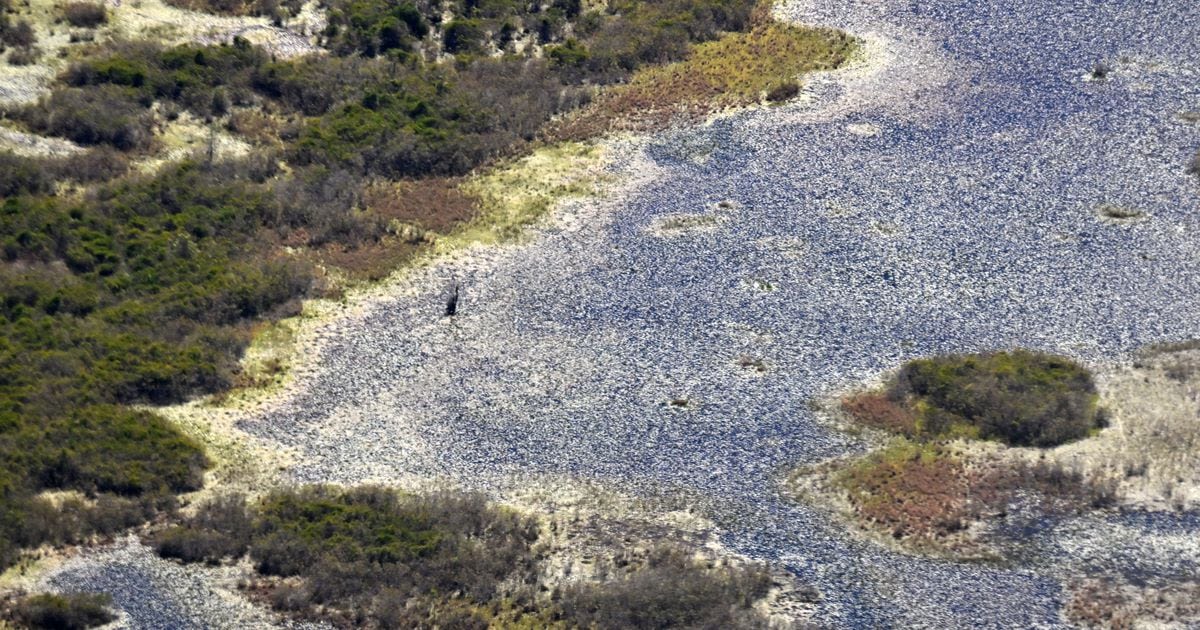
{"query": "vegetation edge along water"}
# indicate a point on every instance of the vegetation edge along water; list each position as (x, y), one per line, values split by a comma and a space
(125, 288)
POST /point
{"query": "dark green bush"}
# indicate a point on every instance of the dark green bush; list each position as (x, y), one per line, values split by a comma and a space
(1018, 397)
(104, 115)
(73, 611)
(372, 27)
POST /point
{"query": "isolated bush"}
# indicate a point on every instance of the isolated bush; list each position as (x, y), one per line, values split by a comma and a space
(1194, 166)
(74, 611)
(783, 92)
(18, 35)
(85, 14)
(24, 56)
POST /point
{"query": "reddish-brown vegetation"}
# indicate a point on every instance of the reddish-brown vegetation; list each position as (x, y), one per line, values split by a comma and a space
(877, 410)
(928, 491)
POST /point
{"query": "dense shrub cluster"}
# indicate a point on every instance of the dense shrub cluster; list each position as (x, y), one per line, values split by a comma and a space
(105, 115)
(135, 294)
(139, 290)
(1019, 397)
(371, 556)
(73, 611)
(277, 10)
(354, 549)
(399, 114)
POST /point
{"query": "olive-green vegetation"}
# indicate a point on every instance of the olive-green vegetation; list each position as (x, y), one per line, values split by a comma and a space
(124, 288)
(372, 556)
(72, 611)
(134, 295)
(1019, 397)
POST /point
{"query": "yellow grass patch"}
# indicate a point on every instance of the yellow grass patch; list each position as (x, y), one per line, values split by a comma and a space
(736, 70)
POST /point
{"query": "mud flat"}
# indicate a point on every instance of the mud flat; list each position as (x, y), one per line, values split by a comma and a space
(939, 196)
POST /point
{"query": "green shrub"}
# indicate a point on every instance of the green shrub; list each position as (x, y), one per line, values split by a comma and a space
(372, 27)
(463, 36)
(350, 545)
(1018, 397)
(21, 175)
(74, 611)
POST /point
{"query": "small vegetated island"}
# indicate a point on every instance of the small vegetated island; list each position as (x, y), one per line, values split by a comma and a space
(130, 276)
(974, 451)
(956, 462)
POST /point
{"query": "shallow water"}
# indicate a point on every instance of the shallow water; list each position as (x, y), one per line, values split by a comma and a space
(941, 197)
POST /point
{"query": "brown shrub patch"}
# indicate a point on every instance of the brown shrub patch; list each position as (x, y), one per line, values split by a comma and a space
(926, 491)
(436, 203)
(910, 490)
(1104, 603)
(877, 410)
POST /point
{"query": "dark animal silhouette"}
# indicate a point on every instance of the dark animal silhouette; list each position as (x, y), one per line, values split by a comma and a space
(452, 301)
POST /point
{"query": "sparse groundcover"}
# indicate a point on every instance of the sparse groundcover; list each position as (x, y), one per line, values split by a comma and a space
(1107, 603)
(1017, 397)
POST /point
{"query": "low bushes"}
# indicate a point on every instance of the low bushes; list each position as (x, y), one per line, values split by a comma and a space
(352, 547)
(17, 34)
(74, 611)
(1020, 398)
(104, 115)
(85, 14)
(670, 591)
(277, 10)
(372, 556)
